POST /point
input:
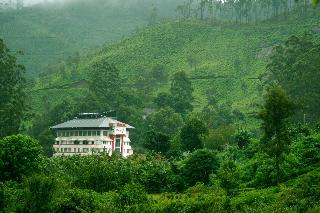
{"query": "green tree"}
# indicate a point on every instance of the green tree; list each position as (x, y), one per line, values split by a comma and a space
(157, 142)
(315, 2)
(274, 115)
(39, 193)
(12, 96)
(192, 134)
(199, 165)
(19, 156)
(159, 74)
(294, 65)
(242, 138)
(229, 175)
(131, 194)
(105, 84)
(166, 121)
(163, 100)
(181, 91)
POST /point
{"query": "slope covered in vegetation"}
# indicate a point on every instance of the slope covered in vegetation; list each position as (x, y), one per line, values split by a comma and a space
(223, 60)
(51, 32)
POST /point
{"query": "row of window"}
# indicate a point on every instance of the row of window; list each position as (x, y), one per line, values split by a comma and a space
(81, 133)
(86, 150)
(82, 142)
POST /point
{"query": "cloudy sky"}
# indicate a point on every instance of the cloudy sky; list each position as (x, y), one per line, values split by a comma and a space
(29, 2)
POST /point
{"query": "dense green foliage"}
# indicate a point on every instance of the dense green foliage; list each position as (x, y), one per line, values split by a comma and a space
(192, 134)
(278, 108)
(12, 101)
(157, 141)
(230, 180)
(50, 32)
(299, 58)
(19, 157)
(192, 88)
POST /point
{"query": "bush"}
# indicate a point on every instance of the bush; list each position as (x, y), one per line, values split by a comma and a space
(40, 190)
(218, 139)
(253, 201)
(131, 194)
(153, 172)
(199, 165)
(311, 150)
(76, 200)
(196, 199)
(304, 194)
(229, 175)
(19, 156)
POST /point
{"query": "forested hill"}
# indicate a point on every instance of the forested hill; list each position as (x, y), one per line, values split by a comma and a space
(222, 60)
(50, 32)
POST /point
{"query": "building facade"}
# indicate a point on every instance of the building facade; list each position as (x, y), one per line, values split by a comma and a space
(90, 134)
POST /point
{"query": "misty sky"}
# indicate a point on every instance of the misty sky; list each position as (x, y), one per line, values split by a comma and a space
(30, 2)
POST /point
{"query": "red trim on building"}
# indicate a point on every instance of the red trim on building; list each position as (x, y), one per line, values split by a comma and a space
(112, 138)
(121, 144)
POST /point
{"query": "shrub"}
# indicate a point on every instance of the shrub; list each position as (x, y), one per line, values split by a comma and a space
(131, 194)
(199, 165)
(19, 156)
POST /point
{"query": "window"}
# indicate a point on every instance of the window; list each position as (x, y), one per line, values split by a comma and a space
(118, 145)
(98, 133)
(85, 142)
(92, 142)
(118, 142)
(80, 133)
(128, 151)
(85, 150)
(76, 142)
(105, 133)
(76, 133)
(89, 133)
(65, 150)
(94, 133)
(85, 133)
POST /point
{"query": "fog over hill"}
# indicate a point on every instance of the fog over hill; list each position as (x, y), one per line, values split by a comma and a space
(49, 33)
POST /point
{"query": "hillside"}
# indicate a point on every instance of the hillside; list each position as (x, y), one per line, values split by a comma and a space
(221, 60)
(49, 33)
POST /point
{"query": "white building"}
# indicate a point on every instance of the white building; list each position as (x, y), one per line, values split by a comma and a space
(92, 134)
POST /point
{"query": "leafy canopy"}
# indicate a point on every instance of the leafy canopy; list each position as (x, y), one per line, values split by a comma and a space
(19, 156)
(12, 96)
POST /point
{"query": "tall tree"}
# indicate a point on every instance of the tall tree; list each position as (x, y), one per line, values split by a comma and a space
(105, 84)
(274, 115)
(295, 66)
(12, 95)
(192, 134)
(166, 121)
(157, 142)
(199, 166)
(181, 91)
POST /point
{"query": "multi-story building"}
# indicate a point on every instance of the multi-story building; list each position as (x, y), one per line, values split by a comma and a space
(91, 133)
